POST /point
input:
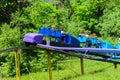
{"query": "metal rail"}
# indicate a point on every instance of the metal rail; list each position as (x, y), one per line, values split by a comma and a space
(78, 55)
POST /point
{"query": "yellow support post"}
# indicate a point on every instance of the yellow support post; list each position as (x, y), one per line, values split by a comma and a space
(49, 66)
(115, 65)
(17, 64)
(82, 66)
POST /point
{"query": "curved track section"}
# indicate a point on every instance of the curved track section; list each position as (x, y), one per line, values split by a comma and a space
(60, 52)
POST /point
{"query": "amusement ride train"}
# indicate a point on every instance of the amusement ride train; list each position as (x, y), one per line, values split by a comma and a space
(55, 39)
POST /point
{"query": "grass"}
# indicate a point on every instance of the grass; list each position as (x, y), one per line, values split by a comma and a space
(94, 70)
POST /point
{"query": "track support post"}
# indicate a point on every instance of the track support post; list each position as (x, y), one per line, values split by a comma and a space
(0, 72)
(115, 65)
(82, 66)
(17, 64)
(49, 66)
(48, 60)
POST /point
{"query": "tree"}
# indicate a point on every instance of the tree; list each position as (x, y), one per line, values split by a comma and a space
(9, 38)
(7, 7)
(109, 23)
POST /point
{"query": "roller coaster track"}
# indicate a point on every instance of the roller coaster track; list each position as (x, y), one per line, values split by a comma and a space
(60, 52)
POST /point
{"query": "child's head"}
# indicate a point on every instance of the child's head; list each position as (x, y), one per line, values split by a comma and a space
(53, 26)
(62, 29)
(88, 32)
(94, 35)
(119, 39)
(82, 32)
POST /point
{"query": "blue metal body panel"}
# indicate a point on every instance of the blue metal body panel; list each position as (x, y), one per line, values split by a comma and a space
(42, 30)
(58, 33)
(105, 44)
(82, 39)
(94, 41)
(47, 31)
(118, 45)
(69, 39)
(50, 32)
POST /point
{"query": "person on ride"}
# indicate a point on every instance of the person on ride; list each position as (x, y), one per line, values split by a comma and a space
(82, 33)
(63, 32)
(53, 32)
(94, 35)
(88, 41)
(119, 40)
(87, 34)
(94, 40)
(82, 38)
(118, 43)
(53, 27)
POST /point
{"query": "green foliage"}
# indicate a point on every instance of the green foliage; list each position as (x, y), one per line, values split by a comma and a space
(109, 23)
(42, 13)
(87, 13)
(23, 23)
(10, 37)
(93, 70)
(7, 7)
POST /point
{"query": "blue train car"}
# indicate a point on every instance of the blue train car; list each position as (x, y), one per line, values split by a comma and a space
(47, 32)
(105, 44)
(82, 39)
(56, 36)
(33, 38)
(88, 42)
(118, 45)
(69, 39)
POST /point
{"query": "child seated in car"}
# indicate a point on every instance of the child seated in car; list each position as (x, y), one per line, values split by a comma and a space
(53, 27)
